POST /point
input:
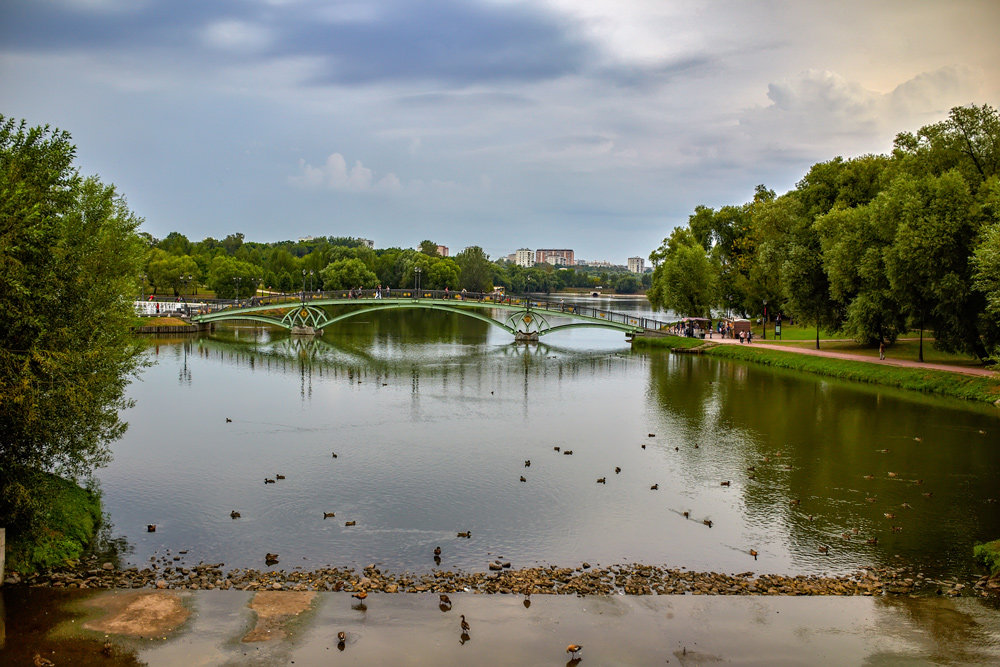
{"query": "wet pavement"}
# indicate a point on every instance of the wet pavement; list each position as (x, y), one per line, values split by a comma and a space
(272, 628)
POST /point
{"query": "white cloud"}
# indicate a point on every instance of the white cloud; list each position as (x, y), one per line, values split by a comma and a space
(233, 35)
(335, 175)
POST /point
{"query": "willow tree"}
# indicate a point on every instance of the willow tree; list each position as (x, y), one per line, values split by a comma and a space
(69, 260)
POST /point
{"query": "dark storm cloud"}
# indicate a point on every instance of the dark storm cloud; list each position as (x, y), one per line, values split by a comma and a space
(454, 41)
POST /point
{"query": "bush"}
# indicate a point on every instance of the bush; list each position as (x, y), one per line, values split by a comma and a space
(989, 555)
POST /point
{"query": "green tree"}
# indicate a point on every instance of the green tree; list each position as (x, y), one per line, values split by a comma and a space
(476, 272)
(428, 247)
(171, 271)
(347, 274)
(685, 280)
(628, 284)
(230, 278)
(70, 257)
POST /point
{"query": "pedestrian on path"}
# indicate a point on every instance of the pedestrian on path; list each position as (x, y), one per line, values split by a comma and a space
(881, 350)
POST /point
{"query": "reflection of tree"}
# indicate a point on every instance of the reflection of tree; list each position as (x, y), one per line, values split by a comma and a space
(815, 440)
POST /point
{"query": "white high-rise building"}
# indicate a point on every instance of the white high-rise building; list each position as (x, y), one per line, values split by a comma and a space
(636, 264)
(525, 257)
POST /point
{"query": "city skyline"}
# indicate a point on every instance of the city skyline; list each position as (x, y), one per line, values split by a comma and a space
(472, 123)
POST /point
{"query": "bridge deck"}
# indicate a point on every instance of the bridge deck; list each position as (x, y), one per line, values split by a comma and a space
(262, 309)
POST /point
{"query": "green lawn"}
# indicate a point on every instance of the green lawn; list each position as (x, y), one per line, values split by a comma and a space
(794, 332)
(907, 349)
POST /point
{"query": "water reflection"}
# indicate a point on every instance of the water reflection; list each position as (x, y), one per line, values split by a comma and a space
(432, 416)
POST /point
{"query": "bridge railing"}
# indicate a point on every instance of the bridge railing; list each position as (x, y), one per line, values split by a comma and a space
(551, 305)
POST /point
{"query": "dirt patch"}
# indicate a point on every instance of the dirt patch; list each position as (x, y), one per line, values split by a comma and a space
(274, 610)
(138, 614)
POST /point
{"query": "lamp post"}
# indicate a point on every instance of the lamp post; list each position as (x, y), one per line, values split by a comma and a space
(416, 279)
(312, 286)
(303, 285)
(185, 280)
(237, 280)
(764, 322)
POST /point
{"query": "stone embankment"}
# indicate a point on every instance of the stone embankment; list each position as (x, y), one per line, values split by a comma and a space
(633, 579)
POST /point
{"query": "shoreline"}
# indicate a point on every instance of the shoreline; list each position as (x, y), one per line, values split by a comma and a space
(625, 579)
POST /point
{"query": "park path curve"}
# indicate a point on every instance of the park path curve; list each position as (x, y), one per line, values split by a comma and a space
(905, 363)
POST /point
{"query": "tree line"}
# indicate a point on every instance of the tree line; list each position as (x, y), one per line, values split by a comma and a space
(235, 268)
(871, 246)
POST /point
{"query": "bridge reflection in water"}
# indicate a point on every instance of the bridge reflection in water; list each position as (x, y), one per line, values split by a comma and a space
(524, 317)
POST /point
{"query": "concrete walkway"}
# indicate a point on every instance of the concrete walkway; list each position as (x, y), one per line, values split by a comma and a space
(904, 363)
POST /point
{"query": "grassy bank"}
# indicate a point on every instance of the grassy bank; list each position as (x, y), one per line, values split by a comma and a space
(989, 555)
(666, 342)
(984, 389)
(62, 529)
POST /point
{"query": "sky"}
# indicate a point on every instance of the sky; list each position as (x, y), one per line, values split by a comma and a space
(596, 125)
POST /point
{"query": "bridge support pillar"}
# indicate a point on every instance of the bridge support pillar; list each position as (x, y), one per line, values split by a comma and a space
(306, 331)
(526, 337)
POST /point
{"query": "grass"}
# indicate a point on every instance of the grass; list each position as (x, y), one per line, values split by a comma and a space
(63, 528)
(906, 349)
(163, 322)
(666, 342)
(944, 383)
(791, 332)
(989, 555)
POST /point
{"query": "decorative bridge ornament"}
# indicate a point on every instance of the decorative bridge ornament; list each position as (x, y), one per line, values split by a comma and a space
(526, 318)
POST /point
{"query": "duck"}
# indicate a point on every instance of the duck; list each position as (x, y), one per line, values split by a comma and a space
(890, 515)
(341, 637)
(870, 499)
(697, 446)
(897, 529)
(643, 445)
(527, 463)
(795, 502)
(917, 438)
(869, 476)
(652, 435)
(466, 534)
(523, 478)
(350, 523)
(892, 474)
(444, 599)
(872, 540)
(677, 449)
(556, 449)
(906, 506)
(617, 470)
(234, 515)
(752, 469)
(437, 551)
(568, 452)
(465, 625)
(655, 487)
(573, 649)
(151, 528)
(883, 451)
(845, 536)
(928, 494)
(268, 480)
(602, 480)
(329, 515)
(707, 522)
(270, 558)
(726, 483)
(333, 454)
(753, 553)
(687, 515)
(228, 420)
(279, 476)
(824, 549)
(361, 595)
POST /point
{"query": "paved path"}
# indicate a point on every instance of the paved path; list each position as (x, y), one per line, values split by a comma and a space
(905, 363)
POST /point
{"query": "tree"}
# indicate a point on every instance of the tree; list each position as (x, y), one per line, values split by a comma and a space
(628, 284)
(428, 247)
(348, 274)
(170, 271)
(684, 280)
(476, 272)
(230, 278)
(70, 257)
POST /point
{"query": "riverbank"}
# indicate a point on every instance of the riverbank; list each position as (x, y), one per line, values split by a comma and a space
(169, 572)
(61, 532)
(954, 384)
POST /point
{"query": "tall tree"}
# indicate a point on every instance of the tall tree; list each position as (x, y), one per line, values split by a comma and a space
(70, 257)
(685, 280)
(476, 272)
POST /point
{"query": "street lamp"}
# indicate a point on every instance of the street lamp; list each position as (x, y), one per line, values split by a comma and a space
(416, 279)
(764, 322)
(237, 280)
(303, 285)
(312, 286)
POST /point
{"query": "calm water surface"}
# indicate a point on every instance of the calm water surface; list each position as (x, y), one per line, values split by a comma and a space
(433, 416)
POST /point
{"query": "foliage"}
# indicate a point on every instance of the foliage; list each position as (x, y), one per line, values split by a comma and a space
(476, 271)
(668, 342)
(70, 258)
(684, 280)
(64, 526)
(628, 284)
(989, 555)
(231, 278)
(348, 274)
(164, 270)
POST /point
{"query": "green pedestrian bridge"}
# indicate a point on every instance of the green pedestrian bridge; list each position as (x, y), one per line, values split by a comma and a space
(524, 317)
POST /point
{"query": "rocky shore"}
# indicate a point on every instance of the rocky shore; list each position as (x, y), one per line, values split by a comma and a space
(628, 579)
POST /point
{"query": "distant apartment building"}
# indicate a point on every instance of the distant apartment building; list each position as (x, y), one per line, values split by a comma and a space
(542, 255)
(443, 250)
(636, 264)
(368, 243)
(524, 257)
(555, 260)
(305, 239)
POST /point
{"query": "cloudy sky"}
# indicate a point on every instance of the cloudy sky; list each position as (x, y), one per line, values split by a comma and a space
(592, 124)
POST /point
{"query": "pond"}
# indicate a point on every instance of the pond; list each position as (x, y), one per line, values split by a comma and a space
(433, 416)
